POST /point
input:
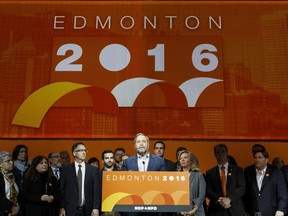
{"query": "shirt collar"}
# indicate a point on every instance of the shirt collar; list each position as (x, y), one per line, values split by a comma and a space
(263, 171)
(225, 165)
(82, 164)
(145, 157)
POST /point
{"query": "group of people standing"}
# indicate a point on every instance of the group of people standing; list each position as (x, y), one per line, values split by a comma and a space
(47, 187)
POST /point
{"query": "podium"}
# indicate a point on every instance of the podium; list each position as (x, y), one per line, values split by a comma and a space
(134, 191)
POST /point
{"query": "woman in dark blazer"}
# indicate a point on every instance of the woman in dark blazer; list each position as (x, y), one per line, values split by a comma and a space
(40, 189)
(20, 161)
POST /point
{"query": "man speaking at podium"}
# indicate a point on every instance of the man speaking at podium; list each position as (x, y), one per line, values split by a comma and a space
(143, 161)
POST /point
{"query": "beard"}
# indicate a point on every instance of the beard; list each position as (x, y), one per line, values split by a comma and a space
(142, 151)
(108, 165)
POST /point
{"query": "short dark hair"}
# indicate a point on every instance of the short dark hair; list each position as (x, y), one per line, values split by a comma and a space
(264, 153)
(119, 149)
(220, 145)
(105, 152)
(75, 145)
(256, 147)
(160, 141)
(92, 160)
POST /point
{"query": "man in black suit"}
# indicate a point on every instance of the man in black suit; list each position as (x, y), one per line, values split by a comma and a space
(55, 163)
(266, 190)
(143, 161)
(159, 150)
(225, 186)
(79, 185)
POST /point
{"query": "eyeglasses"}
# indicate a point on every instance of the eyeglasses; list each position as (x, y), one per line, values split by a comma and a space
(56, 156)
(81, 150)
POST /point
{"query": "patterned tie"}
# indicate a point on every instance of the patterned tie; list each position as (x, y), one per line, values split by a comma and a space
(79, 177)
(223, 181)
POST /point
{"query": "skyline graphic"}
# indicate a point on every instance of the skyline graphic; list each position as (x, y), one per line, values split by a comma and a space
(254, 69)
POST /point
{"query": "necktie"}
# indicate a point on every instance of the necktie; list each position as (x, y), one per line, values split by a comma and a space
(223, 181)
(56, 171)
(79, 177)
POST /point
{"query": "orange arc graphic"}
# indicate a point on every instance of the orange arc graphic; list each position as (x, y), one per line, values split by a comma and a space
(149, 198)
(177, 195)
(113, 199)
(39, 102)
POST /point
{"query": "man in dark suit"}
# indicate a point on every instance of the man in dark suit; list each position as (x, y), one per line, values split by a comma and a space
(55, 163)
(225, 186)
(159, 150)
(79, 185)
(266, 190)
(143, 161)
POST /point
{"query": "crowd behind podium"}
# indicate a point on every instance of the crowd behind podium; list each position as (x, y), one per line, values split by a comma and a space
(67, 183)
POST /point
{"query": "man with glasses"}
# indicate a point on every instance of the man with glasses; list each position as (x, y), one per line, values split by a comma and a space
(79, 186)
(55, 163)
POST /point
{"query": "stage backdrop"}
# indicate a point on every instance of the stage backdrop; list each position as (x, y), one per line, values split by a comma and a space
(170, 69)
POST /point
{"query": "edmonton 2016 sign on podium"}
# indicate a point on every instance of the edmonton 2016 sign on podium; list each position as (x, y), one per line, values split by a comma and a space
(129, 191)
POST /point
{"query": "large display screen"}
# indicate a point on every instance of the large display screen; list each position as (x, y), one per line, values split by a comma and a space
(170, 69)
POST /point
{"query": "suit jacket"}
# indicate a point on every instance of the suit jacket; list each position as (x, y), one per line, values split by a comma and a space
(69, 189)
(155, 164)
(5, 204)
(271, 197)
(170, 165)
(284, 170)
(235, 187)
(59, 173)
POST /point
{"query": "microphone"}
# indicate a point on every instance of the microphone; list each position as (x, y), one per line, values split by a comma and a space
(143, 162)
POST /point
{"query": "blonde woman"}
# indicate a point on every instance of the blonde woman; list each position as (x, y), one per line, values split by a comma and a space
(189, 163)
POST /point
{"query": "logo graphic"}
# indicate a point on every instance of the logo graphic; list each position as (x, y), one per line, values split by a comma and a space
(159, 191)
(159, 71)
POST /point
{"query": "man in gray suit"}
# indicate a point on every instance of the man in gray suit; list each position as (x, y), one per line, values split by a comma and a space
(79, 186)
(143, 161)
